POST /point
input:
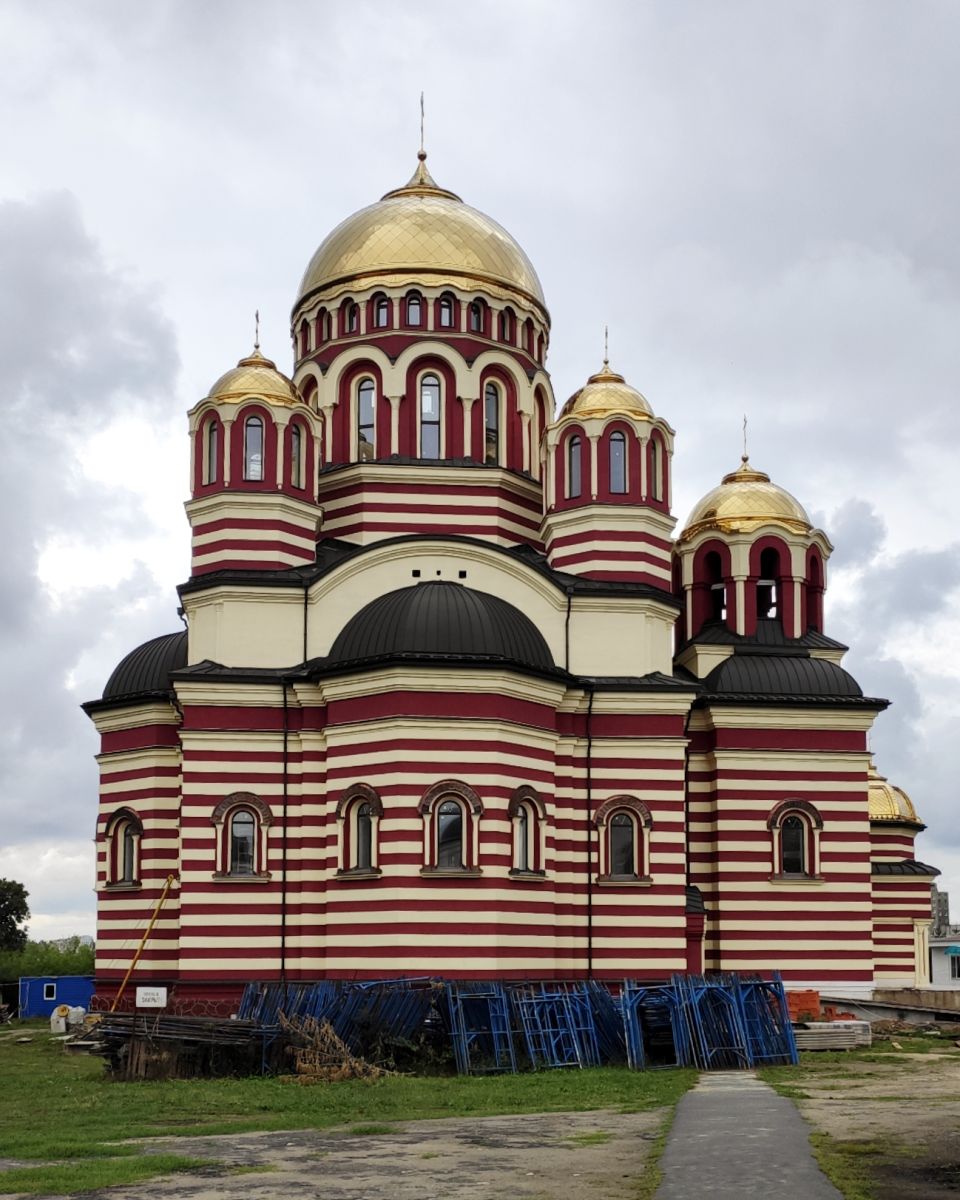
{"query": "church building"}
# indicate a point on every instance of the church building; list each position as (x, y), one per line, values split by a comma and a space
(455, 698)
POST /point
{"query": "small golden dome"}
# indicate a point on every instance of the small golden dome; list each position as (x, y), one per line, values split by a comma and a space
(745, 500)
(606, 393)
(256, 376)
(889, 803)
(421, 232)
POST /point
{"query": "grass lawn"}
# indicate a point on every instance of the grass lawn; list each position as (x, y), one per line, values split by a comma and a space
(61, 1109)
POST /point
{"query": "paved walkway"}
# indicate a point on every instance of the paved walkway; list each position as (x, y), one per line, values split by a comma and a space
(735, 1137)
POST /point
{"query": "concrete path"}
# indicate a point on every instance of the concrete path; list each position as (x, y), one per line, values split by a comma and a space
(735, 1137)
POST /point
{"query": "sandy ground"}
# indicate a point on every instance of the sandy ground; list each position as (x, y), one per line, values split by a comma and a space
(905, 1109)
(552, 1156)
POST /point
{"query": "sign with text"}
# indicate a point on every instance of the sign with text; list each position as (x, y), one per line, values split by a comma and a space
(151, 997)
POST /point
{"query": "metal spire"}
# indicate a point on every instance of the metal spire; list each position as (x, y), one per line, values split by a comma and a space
(256, 334)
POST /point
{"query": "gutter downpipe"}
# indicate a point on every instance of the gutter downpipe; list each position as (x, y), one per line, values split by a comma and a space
(283, 842)
(589, 831)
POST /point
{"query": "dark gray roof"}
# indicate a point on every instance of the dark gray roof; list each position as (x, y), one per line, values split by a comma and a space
(782, 675)
(769, 633)
(908, 866)
(146, 670)
(440, 620)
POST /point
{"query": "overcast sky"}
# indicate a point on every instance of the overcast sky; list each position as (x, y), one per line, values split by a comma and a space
(760, 198)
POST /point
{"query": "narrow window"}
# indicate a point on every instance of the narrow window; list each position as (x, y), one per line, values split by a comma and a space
(446, 313)
(296, 456)
(954, 966)
(622, 845)
(523, 839)
(352, 322)
(767, 599)
(414, 312)
(322, 331)
(506, 327)
(618, 462)
(476, 317)
(718, 589)
(573, 467)
(364, 837)
(213, 451)
(253, 448)
(242, 836)
(429, 417)
(656, 469)
(491, 424)
(793, 846)
(366, 422)
(450, 835)
(381, 313)
(128, 852)
(540, 348)
(304, 337)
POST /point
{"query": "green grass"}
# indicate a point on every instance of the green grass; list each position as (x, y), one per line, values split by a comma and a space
(39, 1079)
(596, 1137)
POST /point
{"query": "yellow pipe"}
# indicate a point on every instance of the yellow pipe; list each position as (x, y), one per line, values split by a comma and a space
(143, 941)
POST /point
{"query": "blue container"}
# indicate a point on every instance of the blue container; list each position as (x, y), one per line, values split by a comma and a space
(41, 994)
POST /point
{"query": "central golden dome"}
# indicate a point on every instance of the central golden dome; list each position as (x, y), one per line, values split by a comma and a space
(422, 233)
(745, 500)
(606, 393)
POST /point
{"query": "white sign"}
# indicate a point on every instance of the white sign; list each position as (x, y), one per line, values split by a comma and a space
(151, 997)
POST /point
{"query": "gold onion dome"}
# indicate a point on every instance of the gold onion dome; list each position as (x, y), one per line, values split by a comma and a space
(887, 802)
(745, 500)
(606, 393)
(256, 376)
(421, 232)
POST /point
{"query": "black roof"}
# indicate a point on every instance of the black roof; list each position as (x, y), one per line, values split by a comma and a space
(908, 866)
(441, 620)
(769, 632)
(146, 670)
(782, 675)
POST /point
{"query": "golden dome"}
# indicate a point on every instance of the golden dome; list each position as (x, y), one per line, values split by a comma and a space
(745, 500)
(256, 376)
(606, 393)
(889, 803)
(421, 232)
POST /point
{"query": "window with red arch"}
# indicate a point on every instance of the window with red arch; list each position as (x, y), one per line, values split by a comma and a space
(528, 336)
(451, 812)
(623, 823)
(657, 488)
(795, 827)
(298, 454)
(447, 312)
(124, 836)
(528, 823)
(359, 812)
(380, 311)
(813, 592)
(413, 310)
(242, 821)
(210, 450)
(304, 337)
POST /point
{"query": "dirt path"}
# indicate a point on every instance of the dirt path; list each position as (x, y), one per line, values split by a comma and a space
(548, 1156)
(904, 1109)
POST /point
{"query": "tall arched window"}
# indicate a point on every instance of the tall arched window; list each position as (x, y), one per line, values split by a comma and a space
(718, 589)
(296, 455)
(322, 330)
(528, 336)
(414, 309)
(381, 312)
(623, 845)
(574, 467)
(212, 454)
(359, 812)
(352, 318)
(506, 325)
(445, 312)
(364, 837)
(768, 602)
(624, 823)
(814, 594)
(429, 417)
(243, 837)
(475, 317)
(491, 424)
(123, 834)
(618, 462)
(253, 448)
(523, 857)
(793, 837)
(656, 469)
(304, 337)
(366, 421)
(128, 869)
(450, 856)
(796, 826)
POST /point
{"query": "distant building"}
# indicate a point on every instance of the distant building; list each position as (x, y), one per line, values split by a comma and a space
(454, 700)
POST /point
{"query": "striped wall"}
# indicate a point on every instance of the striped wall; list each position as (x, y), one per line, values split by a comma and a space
(630, 543)
(263, 531)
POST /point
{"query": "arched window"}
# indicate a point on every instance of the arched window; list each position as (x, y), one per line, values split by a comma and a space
(718, 589)
(381, 312)
(445, 312)
(296, 455)
(523, 856)
(414, 309)
(243, 838)
(527, 814)
(359, 811)
(450, 856)
(304, 337)
(491, 424)
(528, 336)
(505, 322)
(366, 421)
(768, 602)
(364, 837)
(451, 811)
(795, 826)
(540, 348)
(656, 469)
(351, 318)
(618, 462)
(475, 317)
(322, 327)
(429, 417)
(253, 448)
(814, 587)
(574, 467)
(624, 824)
(123, 836)
(211, 458)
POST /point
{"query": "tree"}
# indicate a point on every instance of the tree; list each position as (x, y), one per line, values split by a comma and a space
(14, 914)
(66, 956)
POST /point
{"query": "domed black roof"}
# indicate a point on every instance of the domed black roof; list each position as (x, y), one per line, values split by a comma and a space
(783, 675)
(146, 670)
(444, 621)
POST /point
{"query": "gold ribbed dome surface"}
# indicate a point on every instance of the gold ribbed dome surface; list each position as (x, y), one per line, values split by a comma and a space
(606, 393)
(421, 232)
(887, 802)
(255, 376)
(745, 500)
